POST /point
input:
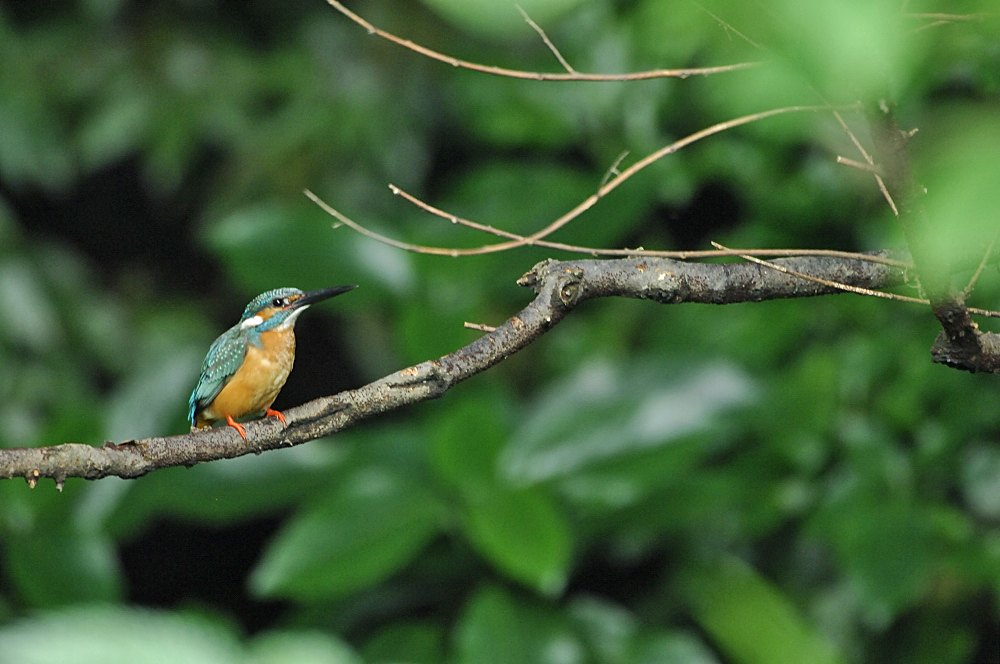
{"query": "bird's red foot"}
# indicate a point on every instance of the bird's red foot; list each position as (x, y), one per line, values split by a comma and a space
(269, 412)
(236, 425)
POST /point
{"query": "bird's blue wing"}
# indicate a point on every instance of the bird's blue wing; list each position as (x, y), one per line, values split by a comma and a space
(224, 359)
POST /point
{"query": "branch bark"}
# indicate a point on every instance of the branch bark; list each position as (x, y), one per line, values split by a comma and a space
(559, 286)
(960, 344)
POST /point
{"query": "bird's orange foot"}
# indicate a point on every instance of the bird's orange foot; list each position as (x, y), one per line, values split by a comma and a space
(236, 425)
(269, 412)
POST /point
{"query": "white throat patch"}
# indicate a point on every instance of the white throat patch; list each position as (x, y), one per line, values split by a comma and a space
(253, 321)
(290, 321)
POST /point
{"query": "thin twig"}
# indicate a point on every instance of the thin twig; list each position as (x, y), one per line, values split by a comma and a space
(852, 289)
(586, 204)
(479, 326)
(545, 38)
(982, 265)
(869, 160)
(729, 28)
(613, 170)
(860, 165)
(530, 75)
(343, 219)
(593, 251)
(827, 282)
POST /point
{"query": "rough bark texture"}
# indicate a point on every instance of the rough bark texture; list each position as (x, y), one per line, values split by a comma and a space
(559, 287)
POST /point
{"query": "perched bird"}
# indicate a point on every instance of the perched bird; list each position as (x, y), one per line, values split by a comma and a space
(248, 364)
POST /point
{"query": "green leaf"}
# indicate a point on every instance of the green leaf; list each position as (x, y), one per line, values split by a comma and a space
(358, 535)
(959, 169)
(606, 411)
(106, 635)
(302, 250)
(750, 619)
(300, 648)
(59, 564)
(498, 629)
(522, 532)
(467, 437)
(847, 49)
(885, 543)
(229, 491)
(410, 642)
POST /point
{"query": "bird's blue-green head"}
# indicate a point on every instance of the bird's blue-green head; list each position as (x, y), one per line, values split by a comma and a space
(280, 307)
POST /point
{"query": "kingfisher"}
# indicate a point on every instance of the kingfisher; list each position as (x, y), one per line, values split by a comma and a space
(249, 363)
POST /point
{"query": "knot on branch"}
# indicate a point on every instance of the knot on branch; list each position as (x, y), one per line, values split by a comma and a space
(978, 353)
(564, 280)
(534, 277)
(571, 290)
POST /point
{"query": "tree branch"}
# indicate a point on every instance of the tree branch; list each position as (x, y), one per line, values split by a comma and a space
(961, 344)
(559, 288)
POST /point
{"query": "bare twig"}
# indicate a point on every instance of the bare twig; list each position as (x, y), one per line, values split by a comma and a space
(613, 170)
(580, 208)
(545, 38)
(982, 265)
(344, 220)
(868, 160)
(536, 76)
(479, 326)
(729, 28)
(861, 166)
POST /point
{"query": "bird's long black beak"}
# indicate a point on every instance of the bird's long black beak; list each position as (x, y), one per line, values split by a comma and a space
(312, 297)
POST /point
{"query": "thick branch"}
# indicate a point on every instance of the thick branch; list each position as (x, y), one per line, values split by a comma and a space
(560, 287)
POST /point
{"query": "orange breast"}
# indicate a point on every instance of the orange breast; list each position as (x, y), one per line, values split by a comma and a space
(256, 384)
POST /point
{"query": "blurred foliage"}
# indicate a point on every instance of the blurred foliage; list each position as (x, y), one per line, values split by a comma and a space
(773, 482)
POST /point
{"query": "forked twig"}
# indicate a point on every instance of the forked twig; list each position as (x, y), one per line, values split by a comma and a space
(613, 170)
(344, 220)
(860, 165)
(545, 38)
(868, 160)
(530, 75)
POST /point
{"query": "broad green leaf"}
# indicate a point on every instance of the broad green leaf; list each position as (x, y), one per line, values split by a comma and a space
(467, 436)
(497, 628)
(610, 630)
(231, 490)
(885, 543)
(300, 648)
(522, 532)
(675, 648)
(604, 412)
(406, 642)
(58, 564)
(958, 167)
(108, 635)
(846, 49)
(750, 619)
(301, 249)
(367, 528)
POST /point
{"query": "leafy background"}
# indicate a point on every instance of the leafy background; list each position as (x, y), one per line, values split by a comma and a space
(774, 482)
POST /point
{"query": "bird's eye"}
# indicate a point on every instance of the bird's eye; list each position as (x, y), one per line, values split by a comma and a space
(279, 302)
